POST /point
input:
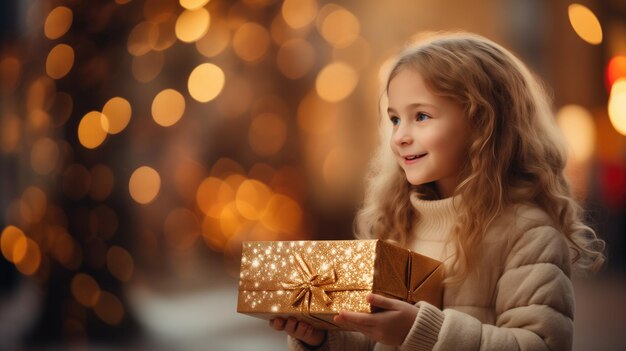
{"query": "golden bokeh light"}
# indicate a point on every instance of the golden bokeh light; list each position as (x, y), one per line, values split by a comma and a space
(168, 107)
(252, 198)
(76, 181)
(40, 94)
(299, 13)
(120, 263)
(357, 54)
(317, 116)
(13, 243)
(215, 40)
(281, 32)
(225, 167)
(58, 22)
(10, 70)
(102, 182)
(336, 82)
(617, 106)
(267, 134)
(59, 61)
(213, 195)
(142, 38)
(147, 67)
(616, 69)
(282, 215)
(192, 25)
(340, 28)
(585, 23)
(85, 289)
(579, 130)
(144, 185)
(117, 111)
(181, 229)
(251, 42)
(206, 82)
(167, 34)
(44, 156)
(109, 308)
(231, 221)
(38, 121)
(295, 58)
(10, 133)
(37, 202)
(92, 129)
(29, 262)
(193, 4)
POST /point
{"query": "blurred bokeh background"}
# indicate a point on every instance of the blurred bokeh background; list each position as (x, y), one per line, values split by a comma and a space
(141, 141)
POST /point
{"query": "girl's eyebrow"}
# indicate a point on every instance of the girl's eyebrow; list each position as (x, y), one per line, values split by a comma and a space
(413, 105)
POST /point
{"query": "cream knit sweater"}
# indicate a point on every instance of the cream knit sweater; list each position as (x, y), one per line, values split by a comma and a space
(522, 299)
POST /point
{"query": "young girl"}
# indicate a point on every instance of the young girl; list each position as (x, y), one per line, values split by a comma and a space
(472, 176)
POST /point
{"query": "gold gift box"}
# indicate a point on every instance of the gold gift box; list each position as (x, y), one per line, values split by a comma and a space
(314, 280)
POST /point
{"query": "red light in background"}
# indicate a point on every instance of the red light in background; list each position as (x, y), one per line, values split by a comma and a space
(615, 69)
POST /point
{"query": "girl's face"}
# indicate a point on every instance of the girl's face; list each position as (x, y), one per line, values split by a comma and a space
(430, 135)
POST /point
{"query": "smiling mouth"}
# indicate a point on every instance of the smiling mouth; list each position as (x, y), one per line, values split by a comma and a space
(414, 157)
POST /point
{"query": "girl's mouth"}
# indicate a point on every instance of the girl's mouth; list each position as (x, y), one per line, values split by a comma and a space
(413, 158)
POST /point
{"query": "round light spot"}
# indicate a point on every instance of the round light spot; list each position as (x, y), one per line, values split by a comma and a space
(191, 25)
(120, 263)
(577, 125)
(340, 28)
(60, 61)
(13, 243)
(267, 134)
(85, 289)
(144, 185)
(117, 111)
(215, 40)
(299, 13)
(251, 42)
(168, 107)
(617, 106)
(585, 23)
(109, 308)
(206, 82)
(193, 4)
(336, 81)
(142, 38)
(295, 58)
(58, 22)
(92, 129)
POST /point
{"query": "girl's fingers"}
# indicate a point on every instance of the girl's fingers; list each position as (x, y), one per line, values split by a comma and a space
(277, 323)
(361, 319)
(291, 325)
(382, 302)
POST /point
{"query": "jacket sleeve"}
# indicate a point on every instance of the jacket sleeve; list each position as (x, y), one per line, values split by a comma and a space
(337, 341)
(534, 304)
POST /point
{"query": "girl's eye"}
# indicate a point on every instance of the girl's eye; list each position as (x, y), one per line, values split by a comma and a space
(394, 120)
(421, 117)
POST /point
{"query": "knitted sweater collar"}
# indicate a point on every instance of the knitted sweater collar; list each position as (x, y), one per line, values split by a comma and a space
(436, 217)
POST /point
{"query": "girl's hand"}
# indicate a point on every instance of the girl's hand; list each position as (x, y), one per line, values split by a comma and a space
(299, 330)
(389, 326)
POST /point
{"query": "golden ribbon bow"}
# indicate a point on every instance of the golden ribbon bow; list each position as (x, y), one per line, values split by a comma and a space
(309, 286)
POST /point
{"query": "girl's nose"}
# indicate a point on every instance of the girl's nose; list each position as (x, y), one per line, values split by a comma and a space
(402, 137)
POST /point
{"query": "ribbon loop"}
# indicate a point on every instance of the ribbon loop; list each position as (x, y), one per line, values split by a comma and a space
(309, 286)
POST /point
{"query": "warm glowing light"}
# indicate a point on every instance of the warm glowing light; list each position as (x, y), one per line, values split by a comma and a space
(181, 228)
(120, 263)
(252, 198)
(39, 94)
(102, 182)
(144, 185)
(109, 308)
(317, 116)
(213, 195)
(147, 67)
(295, 58)
(44, 156)
(215, 40)
(579, 130)
(167, 34)
(168, 107)
(299, 13)
(13, 243)
(85, 289)
(192, 25)
(617, 106)
(117, 111)
(585, 23)
(336, 82)
(142, 38)
(340, 28)
(206, 82)
(92, 129)
(58, 22)
(616, 69)
(251, 42)
(282, 214)
(30, 260)
(267, 134)
(38, 120)
(231, 221)
(193, 4)
(60, 61)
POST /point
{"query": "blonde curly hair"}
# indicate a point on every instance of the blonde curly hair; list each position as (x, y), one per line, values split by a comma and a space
(517, 154)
